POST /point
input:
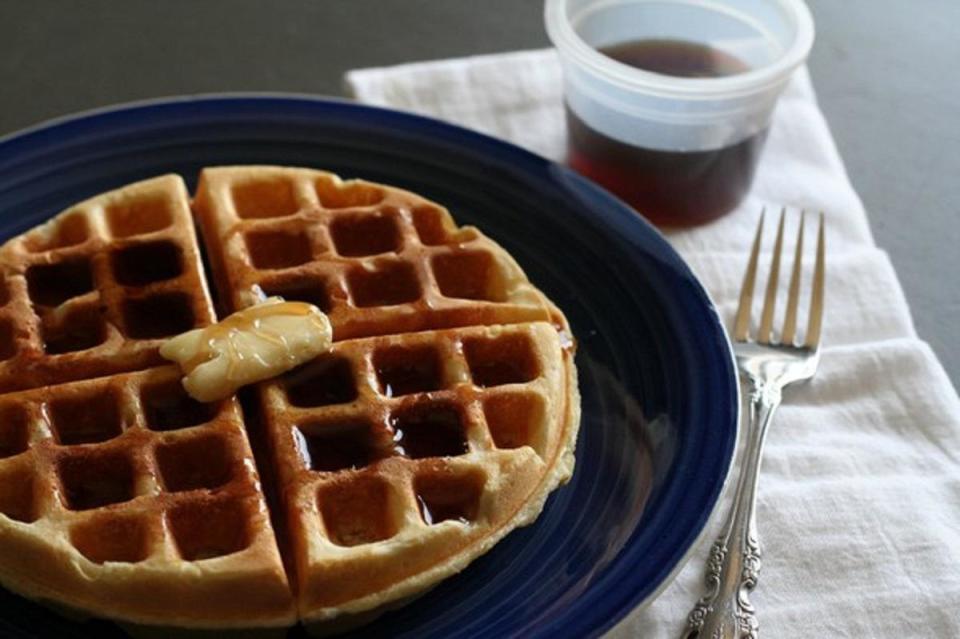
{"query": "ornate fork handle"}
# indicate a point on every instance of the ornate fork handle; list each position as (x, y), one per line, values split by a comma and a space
(725, 611)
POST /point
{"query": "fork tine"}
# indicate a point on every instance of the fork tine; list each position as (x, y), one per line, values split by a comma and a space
(741, 326)
(793, 296)
(770, 301)
(815, 322)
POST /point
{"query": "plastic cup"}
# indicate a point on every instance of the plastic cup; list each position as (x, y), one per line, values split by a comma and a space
(681, 150)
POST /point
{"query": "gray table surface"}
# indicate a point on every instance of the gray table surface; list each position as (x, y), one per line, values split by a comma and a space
(886, 72)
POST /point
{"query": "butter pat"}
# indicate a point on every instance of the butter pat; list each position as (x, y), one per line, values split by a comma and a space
(251, 345)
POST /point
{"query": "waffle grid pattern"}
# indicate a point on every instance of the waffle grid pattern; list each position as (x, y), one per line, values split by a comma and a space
(442, 417)
(436, 394)
(95, 290)
(429, 441)
(377, 260)
(118, 453)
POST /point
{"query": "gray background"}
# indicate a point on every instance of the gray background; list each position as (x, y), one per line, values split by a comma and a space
(886, 72)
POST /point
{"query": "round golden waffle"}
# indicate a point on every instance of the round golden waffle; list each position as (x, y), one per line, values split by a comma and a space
(440, 420)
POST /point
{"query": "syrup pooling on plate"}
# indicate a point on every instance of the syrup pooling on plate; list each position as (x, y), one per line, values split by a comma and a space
(251, 345)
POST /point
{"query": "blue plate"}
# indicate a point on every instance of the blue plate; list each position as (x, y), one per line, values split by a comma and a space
(660, 397)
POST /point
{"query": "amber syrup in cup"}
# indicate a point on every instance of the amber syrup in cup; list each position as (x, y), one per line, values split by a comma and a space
(671, 188)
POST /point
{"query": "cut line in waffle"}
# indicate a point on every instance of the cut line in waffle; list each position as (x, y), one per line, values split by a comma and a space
(116, 490)
(98, 288)
(445, 413)
(402, 458)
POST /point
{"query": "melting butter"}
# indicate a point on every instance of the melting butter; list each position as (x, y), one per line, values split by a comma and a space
(251, 345)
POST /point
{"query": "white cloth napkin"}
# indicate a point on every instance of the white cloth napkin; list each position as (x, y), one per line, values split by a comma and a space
(859, 504)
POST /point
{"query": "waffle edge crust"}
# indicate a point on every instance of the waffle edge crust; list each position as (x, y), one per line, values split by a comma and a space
(441, 419)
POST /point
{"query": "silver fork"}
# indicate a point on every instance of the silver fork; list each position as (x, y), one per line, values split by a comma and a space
(768, 364)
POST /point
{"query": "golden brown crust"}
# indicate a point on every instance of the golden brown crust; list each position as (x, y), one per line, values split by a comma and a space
(115, 513)
(517, 431)
(442, 418)
(377, 259)
(96, 289)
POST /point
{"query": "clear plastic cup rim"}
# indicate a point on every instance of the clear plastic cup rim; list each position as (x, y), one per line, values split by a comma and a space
(571, 45)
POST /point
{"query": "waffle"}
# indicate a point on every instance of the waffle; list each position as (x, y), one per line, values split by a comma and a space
(99, 287)
(376, 259)
(442, 417)
(383, 516)
(402, 458)
(123, 497)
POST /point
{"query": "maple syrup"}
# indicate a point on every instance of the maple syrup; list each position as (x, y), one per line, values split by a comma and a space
(429, 430)
(671, 188)
(168, 407)
(446, 498)
(337, 445)
(404, 371)
(322, 382)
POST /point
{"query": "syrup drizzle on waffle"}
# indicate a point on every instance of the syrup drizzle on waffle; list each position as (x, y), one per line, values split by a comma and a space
(444, 414)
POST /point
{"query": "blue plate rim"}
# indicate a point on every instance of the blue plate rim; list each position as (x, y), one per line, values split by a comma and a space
(604, 620)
